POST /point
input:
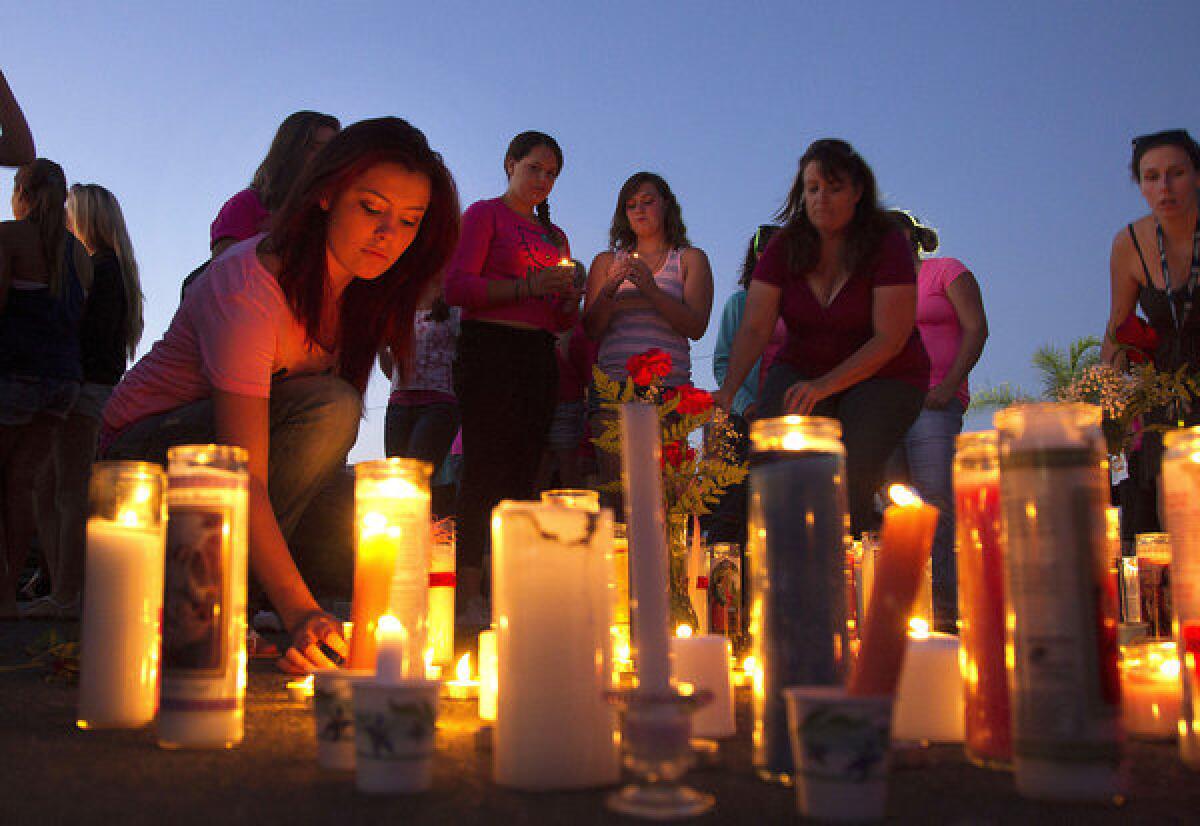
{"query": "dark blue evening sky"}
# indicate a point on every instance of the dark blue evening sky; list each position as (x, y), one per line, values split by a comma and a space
(1005, 125)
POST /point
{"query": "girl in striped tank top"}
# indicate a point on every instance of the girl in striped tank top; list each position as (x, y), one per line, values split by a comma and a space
(652, 288)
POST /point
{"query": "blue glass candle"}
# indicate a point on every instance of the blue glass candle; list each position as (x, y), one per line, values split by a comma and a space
(798, 535)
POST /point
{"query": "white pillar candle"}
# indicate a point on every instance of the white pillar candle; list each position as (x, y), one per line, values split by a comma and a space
(487, 676)
(929, 700)
(122, 605)
(703, 661)
(641, 449)
(551, 570)
(441, 599)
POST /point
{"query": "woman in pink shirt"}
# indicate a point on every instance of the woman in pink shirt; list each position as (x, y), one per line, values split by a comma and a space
(953, 328)
(506, 275)
(272, 346)
(297, 141)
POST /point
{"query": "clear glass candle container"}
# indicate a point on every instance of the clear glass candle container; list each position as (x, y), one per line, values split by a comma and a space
(988, 728)
(391, 556)
(589, 500)
(123, 592)
(798, 535)
(1153, 551)
(204, 602)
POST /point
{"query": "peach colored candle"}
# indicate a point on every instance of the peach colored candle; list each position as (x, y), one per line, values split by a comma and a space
(907, 536)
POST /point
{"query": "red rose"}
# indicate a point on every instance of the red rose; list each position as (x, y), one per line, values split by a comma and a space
(694, 401)
(645, 367)
(1140, 337)
(676, 453)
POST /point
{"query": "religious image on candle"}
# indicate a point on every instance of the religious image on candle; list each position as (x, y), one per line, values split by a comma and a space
(194, 620)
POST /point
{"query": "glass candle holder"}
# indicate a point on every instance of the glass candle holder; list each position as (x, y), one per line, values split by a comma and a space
(798, 538)
(1061, 613)
(589, 500)
(1151, 690)
(1154, 582)
(988, 727)
(204, 602)
(391, 559)
(725, 592)
(123, 592)
(1181, 506)
(442, 581)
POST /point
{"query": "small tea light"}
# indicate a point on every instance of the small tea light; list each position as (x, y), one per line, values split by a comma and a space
(300, 691)
(743, 675)
(462, 687)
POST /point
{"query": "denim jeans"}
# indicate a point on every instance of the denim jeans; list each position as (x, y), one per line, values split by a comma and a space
(874, 414)
(926, 459)
(313, 424)
(420, 431)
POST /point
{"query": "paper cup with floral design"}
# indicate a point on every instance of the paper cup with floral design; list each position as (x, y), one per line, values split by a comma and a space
(333, 710)
(840, 747)
(394, 725)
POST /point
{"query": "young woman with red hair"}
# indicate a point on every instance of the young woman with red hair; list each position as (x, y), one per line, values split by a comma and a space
(272, 346)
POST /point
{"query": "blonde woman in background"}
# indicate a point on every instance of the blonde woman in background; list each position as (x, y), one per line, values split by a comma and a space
(108, 337)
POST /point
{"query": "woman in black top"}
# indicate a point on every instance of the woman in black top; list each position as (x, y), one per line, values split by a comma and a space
(1155, 263)
(108, 337)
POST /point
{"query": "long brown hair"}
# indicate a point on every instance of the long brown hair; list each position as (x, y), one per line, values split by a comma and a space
(42, 188)
(518, 148)
(288, 153)
(836, 160)
(380, 311)
(620, 233)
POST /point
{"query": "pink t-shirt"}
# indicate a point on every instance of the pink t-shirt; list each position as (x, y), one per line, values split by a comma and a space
(242, 215)
(233, 332)
(937, 322)
(497, 244)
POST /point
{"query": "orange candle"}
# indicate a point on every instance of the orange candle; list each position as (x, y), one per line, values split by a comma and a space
(391, 562)
(907, 536)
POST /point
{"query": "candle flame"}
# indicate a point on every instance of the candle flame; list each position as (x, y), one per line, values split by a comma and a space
(129, 518)
(684, 631)
(462, 671)
(566, 262)
(398, 489)
(749, 664)
(918, 628)
(686, 689)
(305, 686)
(388, 626)
(904, 496)
(1169, 668)
(141, 494)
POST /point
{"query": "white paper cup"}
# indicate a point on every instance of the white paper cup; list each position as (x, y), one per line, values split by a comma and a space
(394, 725)
(840, 750)
(333, 710)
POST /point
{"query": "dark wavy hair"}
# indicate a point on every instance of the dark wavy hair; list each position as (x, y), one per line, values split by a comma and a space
(836, 160)
(42, 188)
(379, 311)
(924, 239)
(285, 159)
(1171, 137)
(518, 148)
(754, 250)
(620, 233)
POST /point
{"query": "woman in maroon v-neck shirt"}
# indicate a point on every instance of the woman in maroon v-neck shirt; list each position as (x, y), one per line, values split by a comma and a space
(842, 278)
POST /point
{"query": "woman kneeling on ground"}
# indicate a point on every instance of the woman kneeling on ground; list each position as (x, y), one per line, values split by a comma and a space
(273, 345)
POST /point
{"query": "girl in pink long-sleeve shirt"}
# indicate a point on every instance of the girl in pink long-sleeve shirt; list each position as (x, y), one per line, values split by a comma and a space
(513, 277)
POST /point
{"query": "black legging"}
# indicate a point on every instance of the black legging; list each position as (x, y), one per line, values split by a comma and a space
(506, 379)
(875, 414)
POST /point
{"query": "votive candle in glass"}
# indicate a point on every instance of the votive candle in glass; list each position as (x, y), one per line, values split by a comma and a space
(441, 595)
(797, 546)
(1154, 582)
(122, 600)
(988, 724)
(1150, 690)
(391, 560)
(1061, 615)
(589, 500)
(204, 602)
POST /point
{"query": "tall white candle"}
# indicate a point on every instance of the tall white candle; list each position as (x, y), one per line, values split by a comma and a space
(704, 662)
(392, 650)
(551, 571)
(118, 681)
(641, 449)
